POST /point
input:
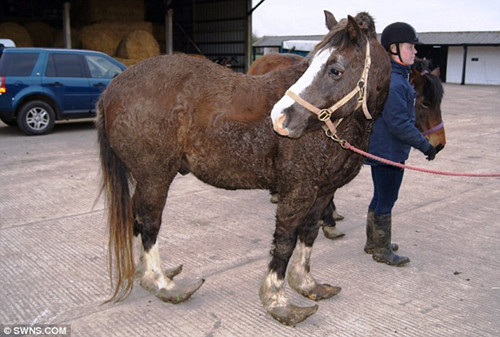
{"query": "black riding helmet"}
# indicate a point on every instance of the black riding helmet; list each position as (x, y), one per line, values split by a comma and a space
(398, 32)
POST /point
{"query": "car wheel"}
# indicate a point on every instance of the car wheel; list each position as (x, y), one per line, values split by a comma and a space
(36, 118)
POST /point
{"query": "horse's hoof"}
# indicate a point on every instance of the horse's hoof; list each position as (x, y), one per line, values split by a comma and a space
(332, 232)
(178, 293)
(337, 216)
(173, 272)
(323, 291)
(291, 314)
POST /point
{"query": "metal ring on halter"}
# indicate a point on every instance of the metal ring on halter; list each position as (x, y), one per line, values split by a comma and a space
(324, 114)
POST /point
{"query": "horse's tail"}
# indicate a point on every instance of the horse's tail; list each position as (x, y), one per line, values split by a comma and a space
(115, 183)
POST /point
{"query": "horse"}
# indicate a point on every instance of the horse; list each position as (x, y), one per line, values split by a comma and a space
(424, 78)
(273, 61)
(177, 114)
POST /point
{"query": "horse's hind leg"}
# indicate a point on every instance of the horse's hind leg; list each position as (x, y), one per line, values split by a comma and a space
(299, 269)
(148, 202)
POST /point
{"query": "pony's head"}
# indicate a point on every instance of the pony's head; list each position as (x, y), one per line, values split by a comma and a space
(347, 69)
(425, 79)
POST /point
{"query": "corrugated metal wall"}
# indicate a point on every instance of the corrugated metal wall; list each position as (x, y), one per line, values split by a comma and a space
(216, 29)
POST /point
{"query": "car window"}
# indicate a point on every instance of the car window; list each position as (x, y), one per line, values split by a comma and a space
(17, 64)
(65, 65)
(100, 67)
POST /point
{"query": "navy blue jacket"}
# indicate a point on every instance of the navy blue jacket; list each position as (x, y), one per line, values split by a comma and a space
(394, 132)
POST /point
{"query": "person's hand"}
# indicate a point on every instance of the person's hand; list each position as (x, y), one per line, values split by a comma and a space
(431, 153)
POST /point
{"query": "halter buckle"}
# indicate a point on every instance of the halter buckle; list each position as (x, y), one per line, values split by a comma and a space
(324, 114)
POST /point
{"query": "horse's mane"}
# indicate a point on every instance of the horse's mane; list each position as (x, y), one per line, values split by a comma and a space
(338, 37)
(433, 91)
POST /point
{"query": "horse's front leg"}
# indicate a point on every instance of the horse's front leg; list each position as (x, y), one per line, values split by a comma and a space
(272, 292)
(299, 269)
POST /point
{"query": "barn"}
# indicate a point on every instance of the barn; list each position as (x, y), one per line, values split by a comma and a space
(217, 29)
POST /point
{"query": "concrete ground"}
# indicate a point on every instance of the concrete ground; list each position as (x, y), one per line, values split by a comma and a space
(53, 242)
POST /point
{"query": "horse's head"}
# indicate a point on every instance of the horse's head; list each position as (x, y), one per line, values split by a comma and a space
(430, 92)
(347, 69)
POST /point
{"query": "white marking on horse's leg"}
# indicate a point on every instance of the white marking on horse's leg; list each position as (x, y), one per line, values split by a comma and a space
(138, 255)
(302, 83)
(271, 291)
(299, 275)
(153, 277)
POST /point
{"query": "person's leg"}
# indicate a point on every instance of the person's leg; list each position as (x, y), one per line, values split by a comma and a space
(387, 182)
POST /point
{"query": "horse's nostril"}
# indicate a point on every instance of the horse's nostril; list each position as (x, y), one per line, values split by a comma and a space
(283, 121)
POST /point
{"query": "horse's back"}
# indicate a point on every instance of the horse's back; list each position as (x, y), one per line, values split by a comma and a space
(272, 62)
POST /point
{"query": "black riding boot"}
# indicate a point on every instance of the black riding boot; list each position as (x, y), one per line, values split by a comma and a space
(370, 245)
(382, 240)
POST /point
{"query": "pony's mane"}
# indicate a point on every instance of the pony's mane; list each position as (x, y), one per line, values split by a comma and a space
(338, 37)
(434, 91)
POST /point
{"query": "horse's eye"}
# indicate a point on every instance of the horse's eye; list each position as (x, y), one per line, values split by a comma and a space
(336, 72)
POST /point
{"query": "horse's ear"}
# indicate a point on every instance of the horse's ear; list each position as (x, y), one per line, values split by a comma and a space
(353, 28)
(330, 20)
(436, 72)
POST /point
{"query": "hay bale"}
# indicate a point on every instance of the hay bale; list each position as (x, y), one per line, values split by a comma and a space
(41, 33)
(127, 62)
(125, 28)
(75, 39)
(138, 45)
(17, 33)
(100, 37)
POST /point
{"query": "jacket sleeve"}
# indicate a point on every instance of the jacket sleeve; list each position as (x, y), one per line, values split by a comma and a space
(398, 120)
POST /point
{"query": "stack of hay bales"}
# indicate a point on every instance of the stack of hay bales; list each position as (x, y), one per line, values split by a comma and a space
(17, 33)
(128, 42)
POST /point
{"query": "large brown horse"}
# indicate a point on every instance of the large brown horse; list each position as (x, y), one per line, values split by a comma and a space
(424, 78)
(171, 114)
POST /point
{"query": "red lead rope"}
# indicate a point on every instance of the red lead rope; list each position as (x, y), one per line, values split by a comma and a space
(348, 146)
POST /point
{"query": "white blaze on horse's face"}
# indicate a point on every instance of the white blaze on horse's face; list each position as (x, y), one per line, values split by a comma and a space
(303, 83)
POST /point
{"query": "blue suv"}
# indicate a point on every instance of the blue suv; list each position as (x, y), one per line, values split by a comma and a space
(41, 85)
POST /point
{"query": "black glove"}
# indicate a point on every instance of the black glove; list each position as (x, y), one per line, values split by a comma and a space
(431, 153)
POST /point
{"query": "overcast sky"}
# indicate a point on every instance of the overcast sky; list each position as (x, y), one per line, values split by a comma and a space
(305, 17)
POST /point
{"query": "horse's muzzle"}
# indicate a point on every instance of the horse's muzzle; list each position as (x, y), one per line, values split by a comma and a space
(278, 125)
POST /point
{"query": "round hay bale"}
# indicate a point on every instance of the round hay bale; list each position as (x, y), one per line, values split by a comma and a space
(75, 39)
(41, 33)
(17, 33)
(125, 28)
(138, 45)
(100, 37)
(127, 62)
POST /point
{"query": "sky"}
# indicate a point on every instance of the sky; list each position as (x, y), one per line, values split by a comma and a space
(305, 17)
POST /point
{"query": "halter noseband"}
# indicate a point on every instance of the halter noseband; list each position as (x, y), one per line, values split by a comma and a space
(434, 129)
(324, 115)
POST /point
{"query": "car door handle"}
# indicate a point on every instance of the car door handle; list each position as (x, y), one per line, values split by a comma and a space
(100, 84)
(56, 84)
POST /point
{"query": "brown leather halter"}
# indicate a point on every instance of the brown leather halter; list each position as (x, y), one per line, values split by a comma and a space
(324, 115)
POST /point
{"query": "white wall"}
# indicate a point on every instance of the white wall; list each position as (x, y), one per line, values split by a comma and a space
(482, 65)
(454, 65)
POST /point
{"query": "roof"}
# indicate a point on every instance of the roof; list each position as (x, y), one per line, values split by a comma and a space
(429, 38)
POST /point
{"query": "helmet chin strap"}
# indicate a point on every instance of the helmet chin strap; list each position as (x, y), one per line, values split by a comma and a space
(398, 54)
